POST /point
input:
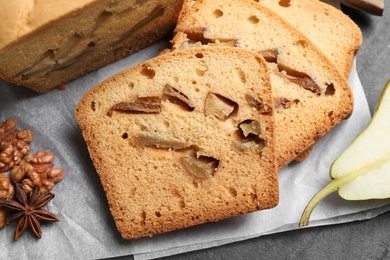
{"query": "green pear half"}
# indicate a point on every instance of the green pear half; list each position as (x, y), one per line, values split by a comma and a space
(362, 171)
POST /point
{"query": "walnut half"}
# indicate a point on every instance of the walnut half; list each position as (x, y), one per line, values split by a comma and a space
(6, 188)
(6, 192)
(3, 217)
(37, 170)
(14, 144)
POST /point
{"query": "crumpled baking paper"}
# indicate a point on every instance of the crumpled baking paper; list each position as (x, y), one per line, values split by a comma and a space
(86, 229)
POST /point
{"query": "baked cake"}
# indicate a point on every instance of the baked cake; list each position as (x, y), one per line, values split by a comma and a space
(183, 138)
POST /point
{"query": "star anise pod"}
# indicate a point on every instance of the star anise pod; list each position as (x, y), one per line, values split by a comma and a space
(29, 208)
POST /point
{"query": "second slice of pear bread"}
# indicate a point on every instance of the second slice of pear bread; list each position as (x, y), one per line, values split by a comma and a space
(311, 96)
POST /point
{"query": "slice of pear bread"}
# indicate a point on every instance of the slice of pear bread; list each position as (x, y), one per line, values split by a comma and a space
(182, 139)
(328, 28)
(310, 95)
(332, 31)
(45, 44)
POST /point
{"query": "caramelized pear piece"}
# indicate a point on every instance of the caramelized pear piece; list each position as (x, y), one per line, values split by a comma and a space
(219, 106)
(270, 55)
(250, 127)
(161, 142)
(178, 98)
(148, 105)
(258, 104)
(201, 167)
(299, 78)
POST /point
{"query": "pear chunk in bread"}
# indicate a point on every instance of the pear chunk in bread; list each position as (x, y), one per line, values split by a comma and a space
(310, 95)
(183, 139)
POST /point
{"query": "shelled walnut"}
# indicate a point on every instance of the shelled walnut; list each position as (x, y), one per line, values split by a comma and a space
(6, 188)
(37, 170)
(14, 144)
(6, 192)
(33, 175)
(3, 217)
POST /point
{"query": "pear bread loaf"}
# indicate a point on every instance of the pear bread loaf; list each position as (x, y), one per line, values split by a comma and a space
(332, 31)
(310, 94)
(45, 44)
(183, 138)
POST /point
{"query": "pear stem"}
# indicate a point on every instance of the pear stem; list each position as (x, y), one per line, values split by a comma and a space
(339, 182)
(328, 189)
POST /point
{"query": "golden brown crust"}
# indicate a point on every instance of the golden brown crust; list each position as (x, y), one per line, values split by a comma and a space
(303, 156)
(145, 157)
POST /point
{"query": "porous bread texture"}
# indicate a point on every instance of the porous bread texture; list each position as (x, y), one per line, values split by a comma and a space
(303, 114)
(45, 44)
(189, 162)
(332, 31)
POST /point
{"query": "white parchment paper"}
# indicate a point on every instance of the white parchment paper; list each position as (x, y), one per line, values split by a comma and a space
(86, 229)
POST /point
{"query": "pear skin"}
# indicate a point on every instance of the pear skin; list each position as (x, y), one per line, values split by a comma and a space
(362, 171)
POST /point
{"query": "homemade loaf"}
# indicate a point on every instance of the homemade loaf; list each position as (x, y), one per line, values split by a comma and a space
(44, 44)
(328, 28)
(311, 96)
(182, 139)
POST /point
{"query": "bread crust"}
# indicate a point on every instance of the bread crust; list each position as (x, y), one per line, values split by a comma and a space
(149, 188)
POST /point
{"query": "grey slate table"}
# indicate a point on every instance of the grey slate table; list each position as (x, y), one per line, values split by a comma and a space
(369, 239)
